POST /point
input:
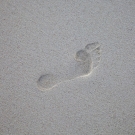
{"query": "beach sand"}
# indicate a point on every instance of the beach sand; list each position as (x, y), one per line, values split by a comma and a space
(41, 44)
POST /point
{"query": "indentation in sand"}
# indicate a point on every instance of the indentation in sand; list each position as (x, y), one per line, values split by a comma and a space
(86, 60)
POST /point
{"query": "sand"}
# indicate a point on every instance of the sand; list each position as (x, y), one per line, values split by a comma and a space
(50, 39)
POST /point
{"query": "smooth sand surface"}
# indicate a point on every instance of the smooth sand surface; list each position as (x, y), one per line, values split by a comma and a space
(41, 37)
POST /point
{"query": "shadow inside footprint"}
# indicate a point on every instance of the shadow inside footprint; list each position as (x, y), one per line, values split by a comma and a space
(85, 61)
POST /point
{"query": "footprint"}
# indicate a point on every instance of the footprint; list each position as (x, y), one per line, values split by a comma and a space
(82, 65)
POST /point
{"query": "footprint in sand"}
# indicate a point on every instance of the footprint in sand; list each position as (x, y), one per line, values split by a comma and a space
(86, 60)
